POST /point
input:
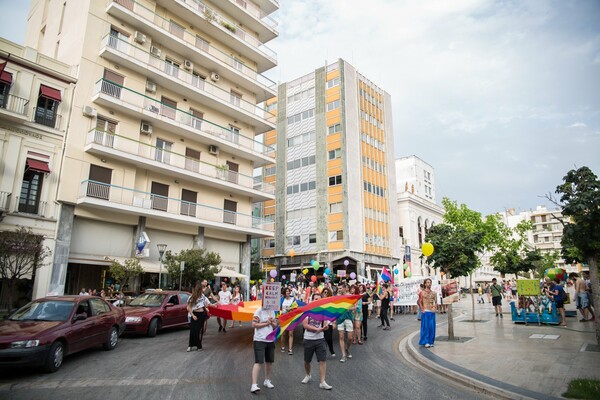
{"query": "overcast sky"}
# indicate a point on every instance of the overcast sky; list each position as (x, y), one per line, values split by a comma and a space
(502, 98)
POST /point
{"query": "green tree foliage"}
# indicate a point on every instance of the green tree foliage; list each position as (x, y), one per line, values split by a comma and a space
(512, 254)
(199, 264)
(122, 273)
(547, 261)
(580, 200)
(21, 253)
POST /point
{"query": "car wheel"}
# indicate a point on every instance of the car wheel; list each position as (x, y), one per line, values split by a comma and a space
(55, 357)
(113, 339)
(153, 327)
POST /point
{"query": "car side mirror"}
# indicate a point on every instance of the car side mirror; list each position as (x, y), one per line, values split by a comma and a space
(80, 317)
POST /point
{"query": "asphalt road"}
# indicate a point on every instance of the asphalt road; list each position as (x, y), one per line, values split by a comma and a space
(160, 368)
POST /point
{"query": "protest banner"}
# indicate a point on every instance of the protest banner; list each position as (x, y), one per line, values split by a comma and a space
(528, 287)
(271, 296)
(449, 292)
(408, 291)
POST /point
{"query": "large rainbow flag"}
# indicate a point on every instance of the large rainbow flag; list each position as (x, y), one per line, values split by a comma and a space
(327, 309)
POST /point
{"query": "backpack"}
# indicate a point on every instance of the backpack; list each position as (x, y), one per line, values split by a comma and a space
(564, 296)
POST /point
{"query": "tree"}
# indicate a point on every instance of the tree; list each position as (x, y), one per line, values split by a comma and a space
(580, 202)
(199, 264)
(21, 253)
(548, 260)
(512, 254)
(122, 273)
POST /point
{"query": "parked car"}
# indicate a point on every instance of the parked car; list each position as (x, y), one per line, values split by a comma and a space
(42, 332)
(155, 310)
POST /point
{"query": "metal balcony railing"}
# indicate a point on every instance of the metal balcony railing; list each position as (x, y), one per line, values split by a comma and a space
(31, 206)
(184, 77)
(152, 201)
(47, 117)
(173, 159)
(214, 18)
(4, 200)
(15, 104)
(136, 99)
(253, 10)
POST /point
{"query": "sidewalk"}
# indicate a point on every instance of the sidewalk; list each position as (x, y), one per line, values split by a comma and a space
(510, 360)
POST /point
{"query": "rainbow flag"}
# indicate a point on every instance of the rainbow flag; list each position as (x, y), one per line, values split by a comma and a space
(386, 276)
(327, 309)
(378, 288)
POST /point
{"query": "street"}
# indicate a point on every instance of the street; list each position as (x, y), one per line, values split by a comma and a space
(160, 368)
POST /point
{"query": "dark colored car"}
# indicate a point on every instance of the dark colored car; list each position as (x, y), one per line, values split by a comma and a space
(42, 332)
(155, 310)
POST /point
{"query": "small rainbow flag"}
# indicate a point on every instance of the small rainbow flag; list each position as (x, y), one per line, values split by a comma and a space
(386, 276)
(327, 309)
(378, 288)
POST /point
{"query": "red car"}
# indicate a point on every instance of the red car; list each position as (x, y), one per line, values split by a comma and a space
(42, 332)
(157, 309)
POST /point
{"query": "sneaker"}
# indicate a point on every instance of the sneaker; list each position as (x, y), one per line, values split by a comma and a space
(189, 349)
(432, 345)
(283, 349)
(220, 329)
(267, 383)
(325, 386)
(349, 355)
(224, 330)
(332, 355)
(306, 379)
(343, 359)
(291, 353)
(496, 314)
(427, 346)
(254, 388)
(501, 315)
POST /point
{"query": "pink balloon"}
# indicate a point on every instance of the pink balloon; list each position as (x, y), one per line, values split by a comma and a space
(273, 273)
(352, 275)
(283, 277)
(313, 278)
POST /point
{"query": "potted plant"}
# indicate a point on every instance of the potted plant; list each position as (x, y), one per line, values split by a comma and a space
(228, 26)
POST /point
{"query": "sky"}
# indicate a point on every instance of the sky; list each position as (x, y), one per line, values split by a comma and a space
(502, 98)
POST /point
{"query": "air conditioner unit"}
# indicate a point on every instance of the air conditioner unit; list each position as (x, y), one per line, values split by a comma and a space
(89, 111)
(214, 150)
(188, 65)
(214, 77)
(155, 51)
(153, 108)
(150, 87)
(139, 37)
(146, 128)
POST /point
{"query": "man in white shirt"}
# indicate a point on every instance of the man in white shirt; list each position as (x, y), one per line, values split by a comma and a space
(263, 322)
(314, 343)
(224, 298)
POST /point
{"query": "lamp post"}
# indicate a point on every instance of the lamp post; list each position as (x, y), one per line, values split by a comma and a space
(161, 252)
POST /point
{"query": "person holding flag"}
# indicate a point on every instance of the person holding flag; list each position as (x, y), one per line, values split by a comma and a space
(287, 303)
(314, 343)
(263, 322)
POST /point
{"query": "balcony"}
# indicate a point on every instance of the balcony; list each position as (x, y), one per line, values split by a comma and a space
(14, 108)
(125, 200)
(107, 144)
(46, 117)
(186, 83)
(243, 11)
(181, 40)
(180, 122)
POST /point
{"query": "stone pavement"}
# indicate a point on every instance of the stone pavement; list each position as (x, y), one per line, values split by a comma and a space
(509, 360)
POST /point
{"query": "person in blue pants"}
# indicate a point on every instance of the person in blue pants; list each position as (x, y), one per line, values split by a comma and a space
(427, 304)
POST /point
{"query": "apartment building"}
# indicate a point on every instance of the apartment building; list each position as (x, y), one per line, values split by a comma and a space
(35, 101)
(161, 144)
(546, 234)
(417, 210)
(334, 175)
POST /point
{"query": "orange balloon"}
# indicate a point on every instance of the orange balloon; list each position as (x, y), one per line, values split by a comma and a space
(292, 253)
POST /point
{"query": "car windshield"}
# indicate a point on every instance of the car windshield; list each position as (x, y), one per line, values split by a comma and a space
(49, 310)
(148, 300)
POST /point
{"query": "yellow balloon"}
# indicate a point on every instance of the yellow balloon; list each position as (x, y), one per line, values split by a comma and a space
(305, 271)
(427, 249)
(292, 253)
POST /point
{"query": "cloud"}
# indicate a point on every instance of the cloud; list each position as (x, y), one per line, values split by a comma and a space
(578, 125)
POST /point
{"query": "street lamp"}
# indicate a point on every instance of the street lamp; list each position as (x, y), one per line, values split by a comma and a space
(161, 252)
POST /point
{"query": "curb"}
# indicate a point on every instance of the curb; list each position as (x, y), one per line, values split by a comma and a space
(427, 360)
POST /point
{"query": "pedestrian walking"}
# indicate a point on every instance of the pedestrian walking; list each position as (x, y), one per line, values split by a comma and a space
(263, 322)
(314, 343)
(286, 305)
(196, 308)
(497, 297)
(328, 333)
(366, 304)
(583, 297)
(427, 303)
(345, 328)
(385, 306)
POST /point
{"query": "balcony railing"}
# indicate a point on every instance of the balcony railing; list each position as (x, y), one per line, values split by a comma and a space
(253, 10)
(171, 158)
(4, 200)
(15, 104)
(184, 77)
(214, 18)
(152, 201)
(31, 207)
(136, 99)
(47, 118)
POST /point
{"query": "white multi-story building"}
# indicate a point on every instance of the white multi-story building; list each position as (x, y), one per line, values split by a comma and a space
(161, 144)
(36, 95)
(417, 210)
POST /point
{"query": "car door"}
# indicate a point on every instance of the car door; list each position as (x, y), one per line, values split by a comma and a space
(172, 311)
(103, 320)
(82, 331)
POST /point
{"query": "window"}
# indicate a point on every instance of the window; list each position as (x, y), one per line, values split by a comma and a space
(335, 207)
(229, 211)
(5, 83)
(202, 44)
(112, 83)
(117, 40)
(197, 117)
(333, 154)
(270, 171)
(401, 231)
(293, 240)
(99, 307)
(333, 105)
(176, 29)
(47, 106)
(163, 151)
(192, 160)
(105, 132)
(168, 107)
(301, 116)
(235, 133)
(198, 80)
(99, 182)
(334, 129)
(238, 64)
(271, 107)
(335, 180)
(269, 243)
(172, 68)
(188, 202)
(312, 238)
(235, 98)
(31, 188)
(335, 236)
(160, 196)
(333, 82)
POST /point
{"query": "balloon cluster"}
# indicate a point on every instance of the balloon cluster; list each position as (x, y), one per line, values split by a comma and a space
(315, 264)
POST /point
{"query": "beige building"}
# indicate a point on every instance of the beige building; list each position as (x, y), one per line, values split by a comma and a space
(334, 175)
(36, 95)
(161, 145)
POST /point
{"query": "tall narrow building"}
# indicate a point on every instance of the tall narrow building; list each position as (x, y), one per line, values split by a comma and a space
(334, 176)
(161, 146)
